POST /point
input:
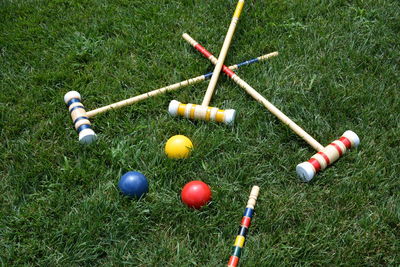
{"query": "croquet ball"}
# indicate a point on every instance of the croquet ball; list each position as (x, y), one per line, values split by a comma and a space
(178, 147)
(133, 184)
(196, 194)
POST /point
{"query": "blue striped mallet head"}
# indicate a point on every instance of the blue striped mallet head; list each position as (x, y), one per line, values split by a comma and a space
(79, 117)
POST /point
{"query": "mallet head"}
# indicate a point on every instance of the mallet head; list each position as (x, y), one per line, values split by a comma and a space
(327, 156)
(193, 111)
(79, 117)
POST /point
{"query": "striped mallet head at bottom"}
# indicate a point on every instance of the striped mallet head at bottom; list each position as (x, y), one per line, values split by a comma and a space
(244, 228)
(79, 117)
(327, 156)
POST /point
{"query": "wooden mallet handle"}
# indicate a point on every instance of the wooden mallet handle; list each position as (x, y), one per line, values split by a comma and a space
(175, 86)
(222, 54)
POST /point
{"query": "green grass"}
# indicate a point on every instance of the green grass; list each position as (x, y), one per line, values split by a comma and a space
(338, 69)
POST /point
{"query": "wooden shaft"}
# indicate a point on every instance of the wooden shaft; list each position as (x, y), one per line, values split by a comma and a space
(222, 55)
(244, 228)
(141, 97)
(168, 88)
(279, 114)
(251, 91)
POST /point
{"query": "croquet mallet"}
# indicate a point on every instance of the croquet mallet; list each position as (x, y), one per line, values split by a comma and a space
(324, 156)
(80, 117)
(204, 111)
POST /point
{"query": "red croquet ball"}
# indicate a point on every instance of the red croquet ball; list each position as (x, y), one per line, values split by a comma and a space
(196, 194)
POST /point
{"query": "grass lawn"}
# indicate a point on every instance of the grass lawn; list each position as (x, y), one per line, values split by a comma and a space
(338, 69)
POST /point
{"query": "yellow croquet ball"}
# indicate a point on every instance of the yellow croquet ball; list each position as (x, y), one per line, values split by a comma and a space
(178, 147)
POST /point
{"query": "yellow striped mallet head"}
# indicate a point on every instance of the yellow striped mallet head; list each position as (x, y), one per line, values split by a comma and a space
(79, 117)
(327, 156)
(199, 112)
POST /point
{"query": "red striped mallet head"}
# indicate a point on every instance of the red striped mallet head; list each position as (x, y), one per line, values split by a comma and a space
(199, 112)
(327, 156)
(79, 117)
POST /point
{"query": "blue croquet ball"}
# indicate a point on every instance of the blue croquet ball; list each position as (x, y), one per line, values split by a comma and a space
(133, 184)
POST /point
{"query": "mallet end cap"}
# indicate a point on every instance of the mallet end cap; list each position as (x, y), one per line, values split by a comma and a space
(173, 107)
(87, 136)
(305, 171)
(353, 137)
(70, 95)
(230, 115)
